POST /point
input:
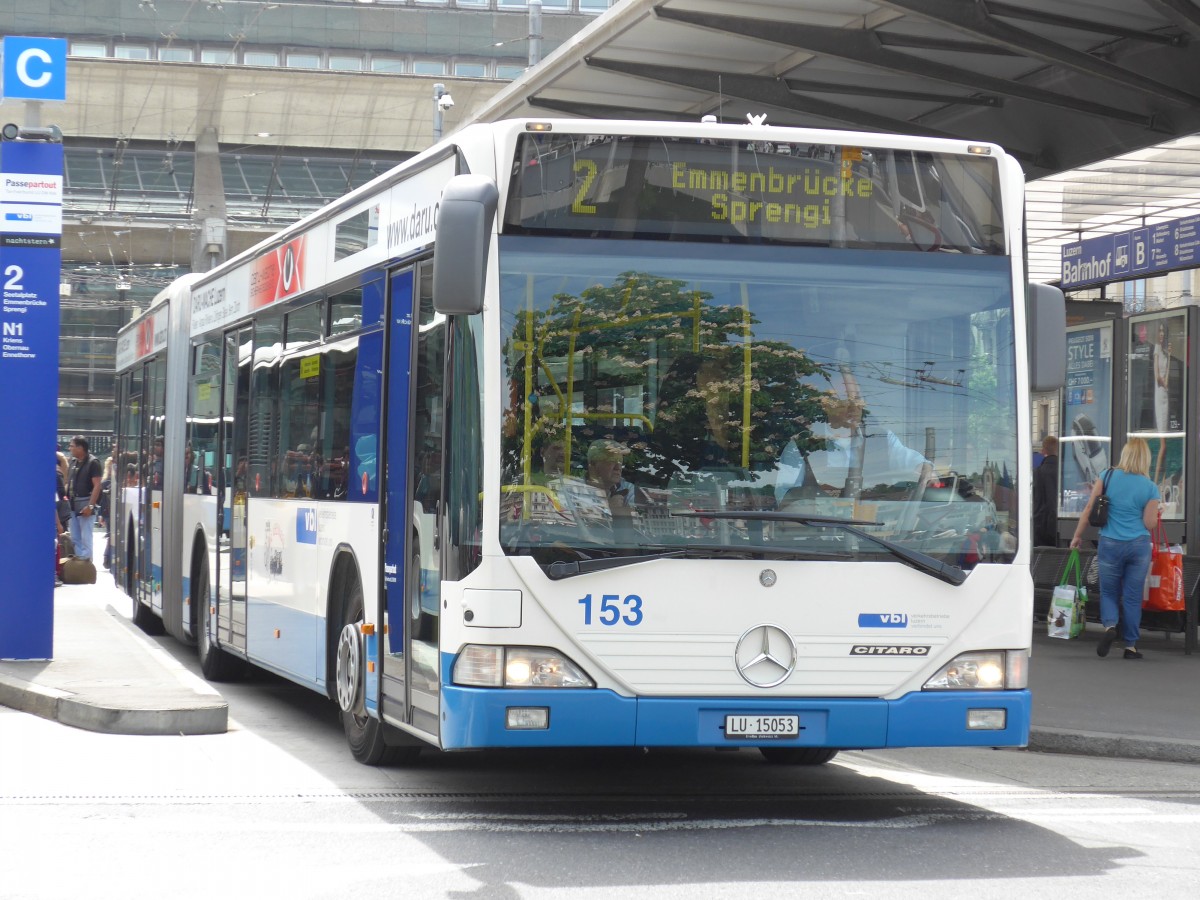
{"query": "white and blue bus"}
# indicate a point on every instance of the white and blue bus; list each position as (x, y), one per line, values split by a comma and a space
(601, 433)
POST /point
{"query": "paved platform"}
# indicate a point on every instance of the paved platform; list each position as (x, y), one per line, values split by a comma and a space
(107, 675)
(1142, 708)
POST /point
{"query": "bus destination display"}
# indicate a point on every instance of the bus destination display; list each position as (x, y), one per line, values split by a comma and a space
(621, 186)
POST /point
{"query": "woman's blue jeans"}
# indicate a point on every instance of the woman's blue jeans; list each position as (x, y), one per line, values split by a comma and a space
(1124, 566)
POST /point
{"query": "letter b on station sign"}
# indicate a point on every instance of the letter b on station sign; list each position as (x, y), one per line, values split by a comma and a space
(35, 68)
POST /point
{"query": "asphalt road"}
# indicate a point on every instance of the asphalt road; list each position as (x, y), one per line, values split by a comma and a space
(277, 807)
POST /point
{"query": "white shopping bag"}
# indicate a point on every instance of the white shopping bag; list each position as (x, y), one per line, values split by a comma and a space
(1063, 612)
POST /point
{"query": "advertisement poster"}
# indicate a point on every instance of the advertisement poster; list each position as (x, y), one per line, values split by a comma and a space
(1087, 419)
(1157, 398)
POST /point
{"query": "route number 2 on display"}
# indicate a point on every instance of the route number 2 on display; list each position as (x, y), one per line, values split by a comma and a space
(613, 609)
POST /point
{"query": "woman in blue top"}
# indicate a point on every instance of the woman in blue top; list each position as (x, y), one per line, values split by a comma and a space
(1124, 552)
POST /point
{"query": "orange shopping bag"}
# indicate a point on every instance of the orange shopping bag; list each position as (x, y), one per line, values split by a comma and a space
(1165, 585)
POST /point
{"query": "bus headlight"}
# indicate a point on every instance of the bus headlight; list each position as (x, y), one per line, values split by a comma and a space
(989, 670)
(479, 665)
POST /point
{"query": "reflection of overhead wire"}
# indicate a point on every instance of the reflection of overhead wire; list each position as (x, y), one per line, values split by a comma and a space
(925, 374)
(885, 375)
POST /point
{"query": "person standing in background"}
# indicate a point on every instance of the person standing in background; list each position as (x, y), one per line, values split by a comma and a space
(1045, 496)
(84, 486)
(1124, 551)
(110, 464)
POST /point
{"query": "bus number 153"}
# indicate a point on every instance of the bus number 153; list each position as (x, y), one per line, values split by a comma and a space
(610, 609)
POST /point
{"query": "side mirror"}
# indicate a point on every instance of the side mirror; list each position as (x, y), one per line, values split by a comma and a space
(464, 230)
(1046, 311)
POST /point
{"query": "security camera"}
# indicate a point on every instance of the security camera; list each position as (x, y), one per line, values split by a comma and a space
(445, 101)
(51, 134)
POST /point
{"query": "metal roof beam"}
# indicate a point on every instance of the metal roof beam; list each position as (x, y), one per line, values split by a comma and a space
(923, 42)
(973, 19)
(761, 89)
(1182, 12)
(864, 47)
(1008, 11)
(833, 87)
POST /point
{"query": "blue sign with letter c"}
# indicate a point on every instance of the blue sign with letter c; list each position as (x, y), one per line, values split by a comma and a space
(35, 68)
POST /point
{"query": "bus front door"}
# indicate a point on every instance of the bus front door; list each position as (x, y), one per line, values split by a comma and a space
(412, 572)
(235, 450)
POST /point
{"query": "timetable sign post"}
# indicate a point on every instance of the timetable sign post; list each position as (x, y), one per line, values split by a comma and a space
(31, 189)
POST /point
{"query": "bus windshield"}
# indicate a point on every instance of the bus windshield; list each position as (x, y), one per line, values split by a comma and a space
(650, 382)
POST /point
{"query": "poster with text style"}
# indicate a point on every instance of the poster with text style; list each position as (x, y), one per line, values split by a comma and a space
(1087, 414)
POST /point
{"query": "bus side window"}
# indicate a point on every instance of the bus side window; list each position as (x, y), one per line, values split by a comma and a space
(264, 405)
(332, 479)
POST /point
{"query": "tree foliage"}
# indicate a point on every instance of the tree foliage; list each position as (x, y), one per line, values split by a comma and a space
(698, 389)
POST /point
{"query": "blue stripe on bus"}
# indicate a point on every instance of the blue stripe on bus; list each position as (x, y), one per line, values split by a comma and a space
(475, 717)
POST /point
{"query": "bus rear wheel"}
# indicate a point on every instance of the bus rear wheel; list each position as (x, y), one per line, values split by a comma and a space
(797, 756)
(364, 734)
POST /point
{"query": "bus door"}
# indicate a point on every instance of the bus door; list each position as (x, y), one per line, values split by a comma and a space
(153, 460)
(235, 450)
(126, 488)
(412, 571)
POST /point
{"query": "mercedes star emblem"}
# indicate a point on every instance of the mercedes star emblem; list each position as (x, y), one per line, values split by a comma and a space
(766, 577)
(765, 656)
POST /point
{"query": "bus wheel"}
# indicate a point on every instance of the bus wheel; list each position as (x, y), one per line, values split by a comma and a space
(215, 663)
(364, 733)
(797, 756)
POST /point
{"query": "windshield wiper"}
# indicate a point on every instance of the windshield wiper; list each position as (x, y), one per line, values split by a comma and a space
(920, 561)
(563, 569)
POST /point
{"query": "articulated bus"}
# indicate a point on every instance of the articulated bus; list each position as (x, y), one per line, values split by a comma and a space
(601, 433)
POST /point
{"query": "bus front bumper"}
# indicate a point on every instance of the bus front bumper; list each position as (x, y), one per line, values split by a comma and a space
(480, 717)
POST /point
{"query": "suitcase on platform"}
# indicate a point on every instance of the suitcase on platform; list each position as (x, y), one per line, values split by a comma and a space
(78, 571)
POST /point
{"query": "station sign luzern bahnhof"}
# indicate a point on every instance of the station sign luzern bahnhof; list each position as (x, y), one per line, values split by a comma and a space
(1150, 250)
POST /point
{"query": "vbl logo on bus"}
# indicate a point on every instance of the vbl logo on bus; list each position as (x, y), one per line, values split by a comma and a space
(306, 526)
(883, 620)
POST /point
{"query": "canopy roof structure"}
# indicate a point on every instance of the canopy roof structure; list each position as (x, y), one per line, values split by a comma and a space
(1061, 84)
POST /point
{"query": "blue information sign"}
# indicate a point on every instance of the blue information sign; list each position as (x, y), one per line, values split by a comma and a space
(35, 68)
(30, 265)
(1132, 254)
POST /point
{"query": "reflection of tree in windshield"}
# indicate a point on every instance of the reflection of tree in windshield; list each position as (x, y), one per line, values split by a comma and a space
(651, 362)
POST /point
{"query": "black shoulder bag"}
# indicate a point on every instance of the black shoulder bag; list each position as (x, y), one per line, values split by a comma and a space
(1099, 514)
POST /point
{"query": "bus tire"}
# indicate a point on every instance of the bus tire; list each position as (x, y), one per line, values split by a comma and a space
(215, 663)
(364, 734)
(797, 756)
